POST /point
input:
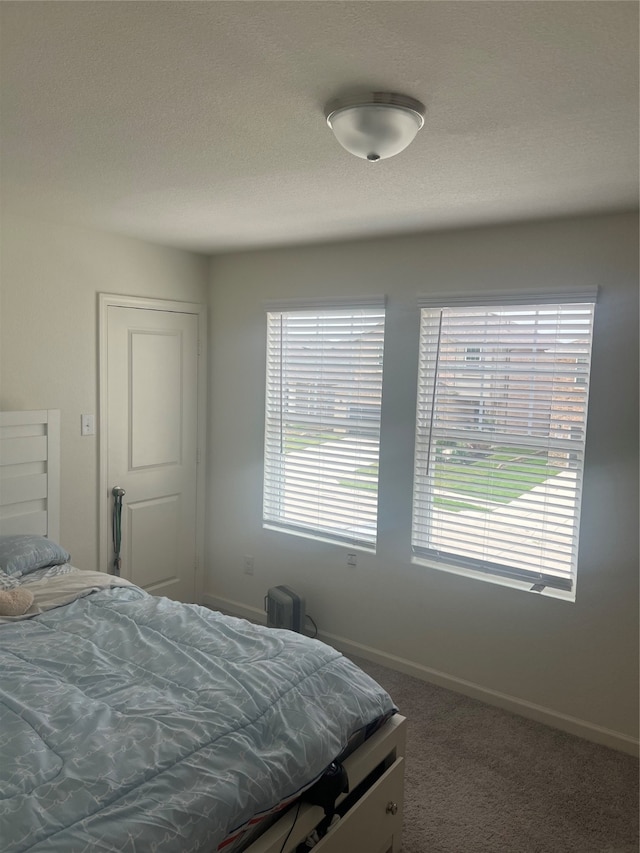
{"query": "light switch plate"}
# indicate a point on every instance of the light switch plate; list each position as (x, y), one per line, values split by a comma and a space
(87, 425)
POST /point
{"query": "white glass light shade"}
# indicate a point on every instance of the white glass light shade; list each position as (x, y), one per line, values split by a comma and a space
(375, 131)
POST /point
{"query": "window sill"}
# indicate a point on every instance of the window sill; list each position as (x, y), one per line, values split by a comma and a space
(325, 540)
(523, 586)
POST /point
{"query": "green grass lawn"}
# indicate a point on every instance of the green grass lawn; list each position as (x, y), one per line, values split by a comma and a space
(499, 476)
(367, 470)
(496, 476)
(298, 439)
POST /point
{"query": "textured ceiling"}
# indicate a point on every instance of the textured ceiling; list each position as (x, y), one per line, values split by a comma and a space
(200, 124)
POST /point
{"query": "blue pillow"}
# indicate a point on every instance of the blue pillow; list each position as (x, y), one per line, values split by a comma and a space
(25, 553)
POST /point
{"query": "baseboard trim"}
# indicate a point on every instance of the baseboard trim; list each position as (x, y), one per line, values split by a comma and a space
(539, 713)
(235, 608)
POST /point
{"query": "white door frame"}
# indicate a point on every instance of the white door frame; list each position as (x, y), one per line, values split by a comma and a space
(106, 300)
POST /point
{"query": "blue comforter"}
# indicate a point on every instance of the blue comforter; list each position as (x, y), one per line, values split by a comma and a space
(132, 723)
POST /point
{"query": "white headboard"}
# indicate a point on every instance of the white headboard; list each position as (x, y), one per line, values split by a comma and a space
(30, 473)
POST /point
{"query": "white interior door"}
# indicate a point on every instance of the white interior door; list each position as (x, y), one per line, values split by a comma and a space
(152, 444)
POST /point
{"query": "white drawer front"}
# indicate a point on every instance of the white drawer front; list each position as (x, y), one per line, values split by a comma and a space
(374, 824)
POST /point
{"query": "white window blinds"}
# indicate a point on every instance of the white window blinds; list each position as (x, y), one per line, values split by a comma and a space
(322, 423)
(500, 438)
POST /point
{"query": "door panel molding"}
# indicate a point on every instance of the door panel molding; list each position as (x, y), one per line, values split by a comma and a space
(165, 543)
(141, 345)
(106, 301)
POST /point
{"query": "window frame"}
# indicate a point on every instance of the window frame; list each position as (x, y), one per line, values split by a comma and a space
(473, 566)
(274, 514)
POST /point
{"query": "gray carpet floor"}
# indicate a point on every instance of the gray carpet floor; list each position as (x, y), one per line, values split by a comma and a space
(482, 780)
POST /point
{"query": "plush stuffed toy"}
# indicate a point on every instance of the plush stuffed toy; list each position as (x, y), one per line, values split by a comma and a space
(15, 602)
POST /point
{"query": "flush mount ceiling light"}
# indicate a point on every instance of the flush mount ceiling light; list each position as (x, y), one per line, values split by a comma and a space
(376, 126)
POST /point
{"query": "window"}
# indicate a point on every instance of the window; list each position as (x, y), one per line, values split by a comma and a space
(500, 440)
(322, 423)
(472, 354)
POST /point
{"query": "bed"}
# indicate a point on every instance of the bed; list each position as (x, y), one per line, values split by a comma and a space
(130, 722)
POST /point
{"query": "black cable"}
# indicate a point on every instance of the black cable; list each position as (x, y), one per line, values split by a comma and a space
(295, 819)
(315, 627)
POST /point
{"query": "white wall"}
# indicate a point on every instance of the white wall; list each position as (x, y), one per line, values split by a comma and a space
(50, 277)
(577, 659)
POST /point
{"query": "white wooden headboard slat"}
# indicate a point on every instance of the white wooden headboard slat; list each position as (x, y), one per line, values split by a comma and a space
(18, 489)
(33, 522)
(16, 450)
(22, 419)
(30, 472)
